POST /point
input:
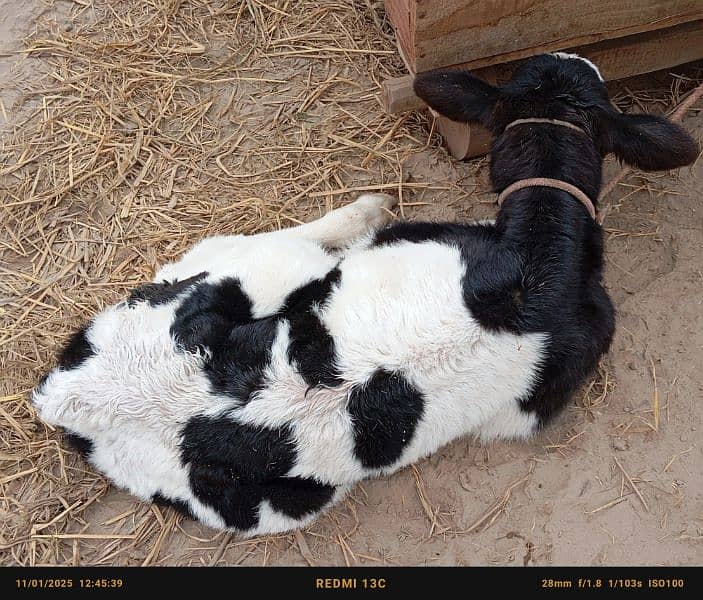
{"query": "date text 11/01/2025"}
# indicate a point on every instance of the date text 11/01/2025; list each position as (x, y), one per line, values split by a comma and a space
(612, 583)
(67, 583)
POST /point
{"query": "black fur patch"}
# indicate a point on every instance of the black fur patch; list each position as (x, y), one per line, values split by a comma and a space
(385, 413)
(206, 316)
(238, 362)
(547, 275)
(415, 232)
(178, 505)
(311, 346)
(218, 318)
(77, 350)
(298, 497)
(83, 445)
(161, 293)
(236, 451)
(233, 467)
(493, 285)
(578, 338)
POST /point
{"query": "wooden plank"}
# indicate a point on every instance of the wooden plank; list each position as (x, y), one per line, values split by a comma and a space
(485, 32)
(398, 95)
(647, 52)
(463, 140)
(402, 16)
(616, 59)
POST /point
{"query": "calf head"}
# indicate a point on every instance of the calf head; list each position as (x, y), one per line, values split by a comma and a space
(566, 87)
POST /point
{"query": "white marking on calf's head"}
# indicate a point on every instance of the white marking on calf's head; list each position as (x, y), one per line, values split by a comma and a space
(567, 56)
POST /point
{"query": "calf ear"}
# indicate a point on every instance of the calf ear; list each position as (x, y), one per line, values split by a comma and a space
(457, 95)
(648, 142)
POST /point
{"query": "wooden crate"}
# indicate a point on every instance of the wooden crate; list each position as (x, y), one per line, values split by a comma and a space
(623, 37)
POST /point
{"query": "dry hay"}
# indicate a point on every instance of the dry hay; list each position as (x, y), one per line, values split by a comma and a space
(158, 122)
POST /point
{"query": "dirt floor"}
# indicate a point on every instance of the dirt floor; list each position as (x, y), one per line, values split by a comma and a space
(128, 135)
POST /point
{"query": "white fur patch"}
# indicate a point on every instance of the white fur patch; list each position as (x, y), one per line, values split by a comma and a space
(566, 56)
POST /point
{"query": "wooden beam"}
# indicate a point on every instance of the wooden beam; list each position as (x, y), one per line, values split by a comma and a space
(463, 140)
(401, 14)
(485, 32)
(616, 59)
(647, 52)
(398, 95)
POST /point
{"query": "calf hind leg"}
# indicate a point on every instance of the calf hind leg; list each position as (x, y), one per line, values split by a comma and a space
(343, 225)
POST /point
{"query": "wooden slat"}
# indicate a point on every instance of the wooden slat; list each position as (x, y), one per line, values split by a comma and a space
(647, 52)
(485, 32)
(402, 16)
(464, 140)
(616, 59)
(398, 95)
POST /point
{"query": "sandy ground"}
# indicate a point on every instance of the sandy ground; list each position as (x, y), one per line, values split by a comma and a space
(566, 498)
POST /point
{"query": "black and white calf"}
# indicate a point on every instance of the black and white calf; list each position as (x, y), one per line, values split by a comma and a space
(259, 377)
